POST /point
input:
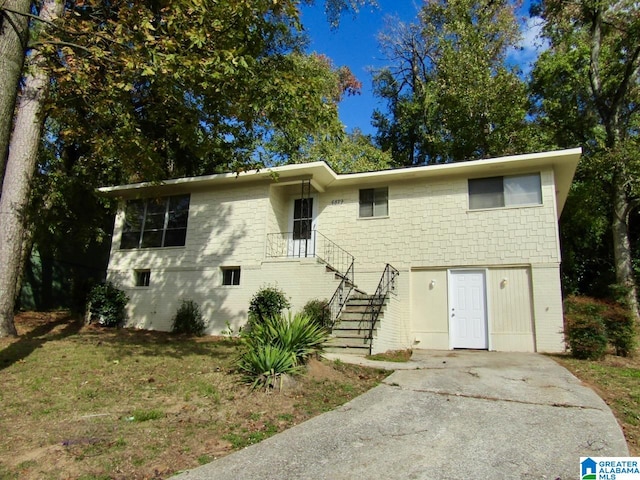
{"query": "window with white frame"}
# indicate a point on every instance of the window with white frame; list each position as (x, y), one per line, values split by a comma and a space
(374, 202)
(496, 192)
(230, 275)
(155, 222)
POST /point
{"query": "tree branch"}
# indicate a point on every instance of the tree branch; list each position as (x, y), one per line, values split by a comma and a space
(58, 27)
(62, 44)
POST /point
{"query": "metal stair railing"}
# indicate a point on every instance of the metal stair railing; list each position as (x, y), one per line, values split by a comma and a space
(285, 245)
(386, 285)
(341, 295)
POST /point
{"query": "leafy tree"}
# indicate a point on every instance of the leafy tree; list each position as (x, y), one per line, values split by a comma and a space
(150, 88)
(450, 92)
(354, 152)
(588, 86)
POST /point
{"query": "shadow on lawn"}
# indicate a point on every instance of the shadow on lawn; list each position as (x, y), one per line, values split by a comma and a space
(28, 342)
(122, 342)
(130, 342)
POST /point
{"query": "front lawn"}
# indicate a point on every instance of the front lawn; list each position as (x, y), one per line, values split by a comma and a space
(92, 403)
(617, 381)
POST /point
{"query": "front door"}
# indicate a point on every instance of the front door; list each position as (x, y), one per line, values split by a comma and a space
(302, 242)
(467, 309)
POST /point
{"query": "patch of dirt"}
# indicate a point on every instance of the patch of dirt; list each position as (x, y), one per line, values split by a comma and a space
(318, 370)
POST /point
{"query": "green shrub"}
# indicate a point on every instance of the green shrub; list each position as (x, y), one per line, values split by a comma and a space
(297, 334)
(621, 330)
(266, 303)
(107, 305)
(188, 319)
(263, 364)
(279, 345)
(591, 325)
(318, 311)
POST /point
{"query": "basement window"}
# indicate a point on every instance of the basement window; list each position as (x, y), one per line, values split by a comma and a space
(142, 278)
(230, 275)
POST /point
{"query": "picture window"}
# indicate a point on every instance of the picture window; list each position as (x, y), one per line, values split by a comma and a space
(155, 222)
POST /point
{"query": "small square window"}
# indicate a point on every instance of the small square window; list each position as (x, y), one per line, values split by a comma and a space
(230, 275)
(143, 278)
(374, 202)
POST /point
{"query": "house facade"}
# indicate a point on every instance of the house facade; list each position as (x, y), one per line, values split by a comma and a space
(475, 245)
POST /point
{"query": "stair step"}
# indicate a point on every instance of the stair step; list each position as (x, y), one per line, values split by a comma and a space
(364, 350)
(351, 334)
(351, 325)
(349, 341)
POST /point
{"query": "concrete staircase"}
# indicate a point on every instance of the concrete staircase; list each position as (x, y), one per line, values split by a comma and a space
(350, 333)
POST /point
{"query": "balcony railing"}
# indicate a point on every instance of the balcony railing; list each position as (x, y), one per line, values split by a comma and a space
(316, 245)
(290, 245)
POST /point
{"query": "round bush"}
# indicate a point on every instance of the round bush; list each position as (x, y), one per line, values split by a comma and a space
(107, 305)
(266, 303)
(188, 319)
(585, 330)
(318, 311)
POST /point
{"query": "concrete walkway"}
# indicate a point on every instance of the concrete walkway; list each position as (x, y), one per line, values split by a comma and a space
(453, 415)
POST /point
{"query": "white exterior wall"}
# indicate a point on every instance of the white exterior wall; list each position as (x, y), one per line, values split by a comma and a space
(429, 230)
(547, 308)
(394, 330)
(226, 227)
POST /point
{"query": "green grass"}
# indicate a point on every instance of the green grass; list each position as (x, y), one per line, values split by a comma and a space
(142, 404)
(615, 379)
(398, 356)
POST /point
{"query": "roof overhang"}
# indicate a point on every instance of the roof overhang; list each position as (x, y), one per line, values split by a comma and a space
(322, 177)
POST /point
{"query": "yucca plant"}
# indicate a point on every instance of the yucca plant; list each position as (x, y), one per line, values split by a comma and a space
(280, 344)
(298, 334)
(264, 364)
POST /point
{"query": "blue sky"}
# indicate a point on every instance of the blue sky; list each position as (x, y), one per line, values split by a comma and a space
(354, 43)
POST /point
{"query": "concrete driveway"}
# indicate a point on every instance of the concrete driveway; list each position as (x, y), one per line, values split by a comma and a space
(453, 415)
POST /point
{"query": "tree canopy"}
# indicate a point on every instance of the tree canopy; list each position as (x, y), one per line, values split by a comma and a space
(450, 92)
(587, 92)
(150, 89)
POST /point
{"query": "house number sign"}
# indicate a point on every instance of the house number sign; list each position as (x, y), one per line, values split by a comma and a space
(337, 202)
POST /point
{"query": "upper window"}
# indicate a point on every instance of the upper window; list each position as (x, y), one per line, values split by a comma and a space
(496, 192)
(374, 202)
(155, 222)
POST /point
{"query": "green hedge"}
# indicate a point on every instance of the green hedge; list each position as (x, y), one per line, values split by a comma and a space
(592, 326)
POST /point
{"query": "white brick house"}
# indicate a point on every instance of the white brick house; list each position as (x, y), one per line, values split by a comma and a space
(475, 244)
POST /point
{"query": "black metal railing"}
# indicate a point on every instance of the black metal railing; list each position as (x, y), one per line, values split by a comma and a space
(386, 285)
(314, 244)
(341, 295)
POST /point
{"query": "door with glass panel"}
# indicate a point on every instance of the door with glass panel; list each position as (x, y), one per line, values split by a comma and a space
(303, 225)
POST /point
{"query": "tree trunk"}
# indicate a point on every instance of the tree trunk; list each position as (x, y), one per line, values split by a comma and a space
(621, 243)
(14, 33)
(25, 253)
(20, 167)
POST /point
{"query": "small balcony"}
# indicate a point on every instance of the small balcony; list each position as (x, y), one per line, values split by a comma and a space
(308, 244)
